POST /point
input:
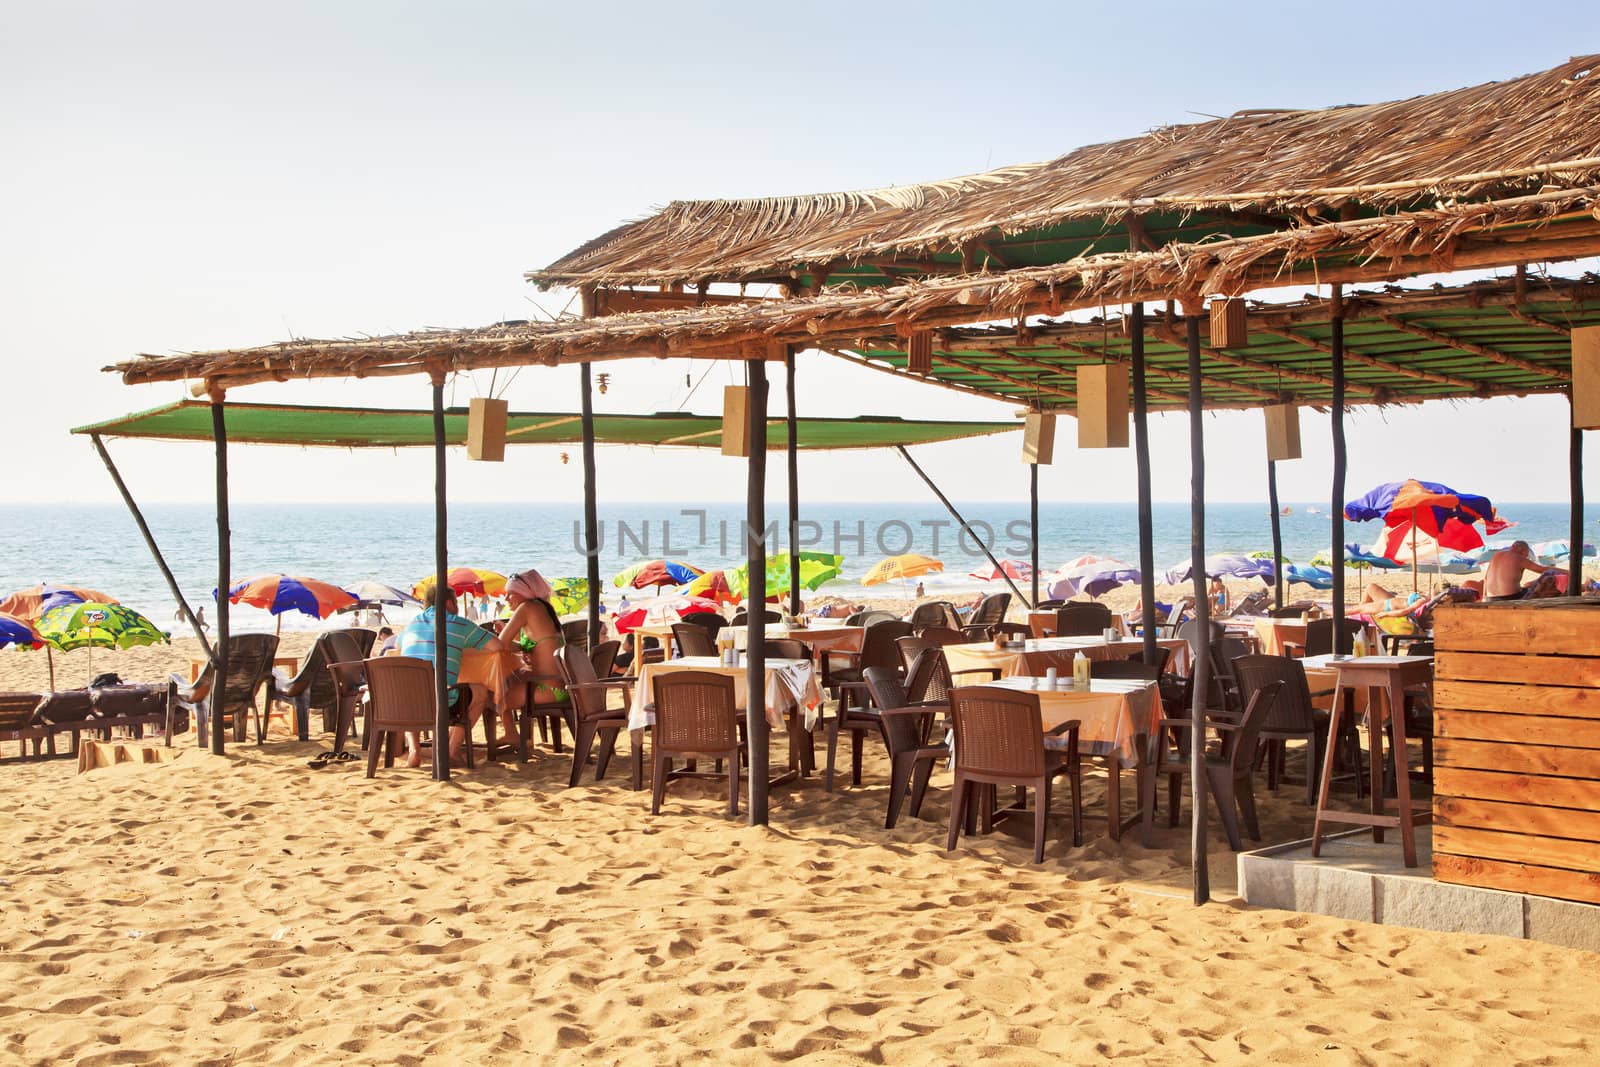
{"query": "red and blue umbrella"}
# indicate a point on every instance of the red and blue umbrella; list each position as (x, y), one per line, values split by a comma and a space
(657, 572)
(279, 593)
(14, 631)
(1430, 506)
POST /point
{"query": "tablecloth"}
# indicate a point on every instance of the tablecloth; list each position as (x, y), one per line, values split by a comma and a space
(1039, 655)
(1111, 715)
(790, 683)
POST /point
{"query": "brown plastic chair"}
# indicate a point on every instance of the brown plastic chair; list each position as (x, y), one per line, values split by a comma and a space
(1163, 658)
(908, 728)
(935, 614)
(692, 640)
(1011, 631)
(603, 658)
(312, 687)
(350, 699)
(1228, 770)
(576, 633)
(855, 712)
(1319, 638)
(697, 717)
(1000, 740)
(249, 664)
(1293, 718)
(592, 715)
(990, 610)
(785, 648)
(402, 700)
(928, 679)
(1125, 669)
(364, 639)
(742, 618)
(1079, 619)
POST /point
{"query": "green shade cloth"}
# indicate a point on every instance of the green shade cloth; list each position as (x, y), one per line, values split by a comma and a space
(341, 427)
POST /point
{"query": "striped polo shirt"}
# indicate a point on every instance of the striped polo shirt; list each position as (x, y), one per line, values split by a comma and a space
(460, 634)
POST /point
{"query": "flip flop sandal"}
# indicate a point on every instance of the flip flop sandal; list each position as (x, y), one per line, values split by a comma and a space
(320, 760)
(343, 757)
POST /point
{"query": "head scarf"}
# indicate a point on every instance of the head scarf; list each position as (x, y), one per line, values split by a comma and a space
(530, 584)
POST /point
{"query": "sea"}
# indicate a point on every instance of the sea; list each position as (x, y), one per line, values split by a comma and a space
(98, 545)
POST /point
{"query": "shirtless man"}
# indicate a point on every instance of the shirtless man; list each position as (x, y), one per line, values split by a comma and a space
(1502, 578)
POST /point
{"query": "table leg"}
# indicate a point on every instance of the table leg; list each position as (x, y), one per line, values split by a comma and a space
(1334, 717)
(1397, 726)
(1375, 713)
(1113, 797)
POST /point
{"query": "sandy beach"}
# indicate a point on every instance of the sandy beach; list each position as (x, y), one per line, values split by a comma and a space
(250, 909)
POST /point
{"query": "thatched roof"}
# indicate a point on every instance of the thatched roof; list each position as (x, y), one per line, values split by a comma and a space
(1481, 339)
(1255, 172)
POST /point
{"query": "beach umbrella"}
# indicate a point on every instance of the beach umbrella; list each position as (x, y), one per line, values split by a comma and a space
(372, 593)
(1550, 552)
(816, 568)
(713, 585)
(96, 624)
(1431, 509)
(569, 596)
(1223, 567)
(1315, 577)
(29, 604)
(1015, 569)
(15, 631)
(910, 565)
(657, 573)
(1093, 576)
(664, 611)
(278, 593)
(475, 580)
(1355, 557)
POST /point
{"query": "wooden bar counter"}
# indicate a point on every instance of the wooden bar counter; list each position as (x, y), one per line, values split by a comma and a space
(1517, 756)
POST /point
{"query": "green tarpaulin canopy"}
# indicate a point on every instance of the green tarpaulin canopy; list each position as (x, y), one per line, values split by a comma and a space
(342, 427)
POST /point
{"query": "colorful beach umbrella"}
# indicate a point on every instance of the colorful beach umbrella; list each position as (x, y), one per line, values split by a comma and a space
(657, 573)
(1355, 558)
(713, 585)
(475, 580)
(29, 604)
(278, 593)
(816, 568)
(1430, 506)
(900, 568)
(15, 631)
(1315, 577)
(664, 611)
(95, 624)
(1092, 576)
(569, 596)
(1015, 569)
(1223, 567)
(372, 593)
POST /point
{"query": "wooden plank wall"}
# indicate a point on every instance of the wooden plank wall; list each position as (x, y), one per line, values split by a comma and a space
(1517, 752)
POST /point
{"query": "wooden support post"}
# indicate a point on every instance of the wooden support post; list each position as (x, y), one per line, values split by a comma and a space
(1033, 527)
(961, 523)
(1575, 523)
(150, 543)
(1201, 646)
(1341, 642)
(219, 655)
(756, 729)
(1277, 533)
(441, 589)
(591, 510)
(792, 426)
(1141, 454)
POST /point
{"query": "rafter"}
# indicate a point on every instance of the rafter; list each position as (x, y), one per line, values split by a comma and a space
(1354, 356)
(1172, 376)
(1534, 320)
(1167, 333)
(1494, 355)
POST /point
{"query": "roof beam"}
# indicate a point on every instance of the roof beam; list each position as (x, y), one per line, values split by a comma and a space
(1000, 376)
(1166, 332)
(1533, 320)
(1493, 355)
(1380, 364)
(862, 359)
(1173, 376)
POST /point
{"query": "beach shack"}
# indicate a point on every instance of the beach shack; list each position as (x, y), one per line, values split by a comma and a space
(1108, 283)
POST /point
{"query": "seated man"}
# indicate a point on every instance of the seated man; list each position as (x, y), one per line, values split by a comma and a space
(460, 634)
(1502, 578)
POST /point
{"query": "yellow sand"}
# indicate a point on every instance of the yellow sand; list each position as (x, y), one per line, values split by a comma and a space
(248, 908)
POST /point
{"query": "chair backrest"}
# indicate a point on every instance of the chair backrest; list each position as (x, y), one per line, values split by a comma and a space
(577, 671)
(710, 621)
(1162, 658)
(990, 610)
(903, 732)
(364, 640)
(603, 658)
(944, 635)
(878, 647)
(1291, 711)
(784, 648)
(335, 646)
(1049, 605)
(1082, 619)
(249, 663)
(1131, 670)
(1319, 635)
(928, 678)
(695, 712)
(1239, 746)
(693, 640)
(768, 615)
(1252, 604)
(1419, 648)
(867, 618)
(910, 648)
(940, 613)
(576, 632)
(998, 732)
(402, 692)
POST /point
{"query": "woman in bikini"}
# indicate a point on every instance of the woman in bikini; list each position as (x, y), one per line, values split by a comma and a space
(535, 628)
(1382, 604)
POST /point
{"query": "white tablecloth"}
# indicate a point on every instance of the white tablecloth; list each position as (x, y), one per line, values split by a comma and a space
(790, 684)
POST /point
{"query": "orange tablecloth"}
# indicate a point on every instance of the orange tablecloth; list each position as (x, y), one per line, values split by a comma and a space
(493, 670)
(1112, 714)
(1272, 633)
(1041, 621)
(791, 683)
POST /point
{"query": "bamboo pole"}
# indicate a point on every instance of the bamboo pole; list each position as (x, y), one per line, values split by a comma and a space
(1336, 414)
(792, 427)
(960, 522)
(1201, 645)
(441, 589)
(1033, 527)
(591, 510)
(1277, 534)
(219, 658)
(150, 543)
(1575, 518)
(757, 733)
(1141, 453)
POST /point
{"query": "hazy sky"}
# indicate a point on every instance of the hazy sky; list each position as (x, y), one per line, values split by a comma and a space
(191, 176)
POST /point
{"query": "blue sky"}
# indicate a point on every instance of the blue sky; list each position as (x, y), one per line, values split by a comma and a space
(188, 176)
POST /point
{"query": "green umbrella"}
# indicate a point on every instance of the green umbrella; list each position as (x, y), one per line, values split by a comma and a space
(815, 569)
(569, 596)
(97, 625)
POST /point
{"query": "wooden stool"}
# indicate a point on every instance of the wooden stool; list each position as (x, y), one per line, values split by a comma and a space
(1388, 676)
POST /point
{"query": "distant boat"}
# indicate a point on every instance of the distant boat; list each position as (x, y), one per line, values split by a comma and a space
(1313, 511)
(1287, 510)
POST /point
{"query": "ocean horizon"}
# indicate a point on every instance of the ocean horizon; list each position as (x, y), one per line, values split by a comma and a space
(98, 544)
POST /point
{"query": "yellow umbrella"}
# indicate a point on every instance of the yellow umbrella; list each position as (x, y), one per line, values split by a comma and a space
(474, 580)
(899, 568)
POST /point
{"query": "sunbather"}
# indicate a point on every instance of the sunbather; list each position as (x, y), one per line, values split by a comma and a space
(1380, 603)
(1502, 578)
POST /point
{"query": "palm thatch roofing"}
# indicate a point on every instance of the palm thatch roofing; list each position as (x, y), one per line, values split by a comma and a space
(1255, 173)
(1487, 338)
(350, 427)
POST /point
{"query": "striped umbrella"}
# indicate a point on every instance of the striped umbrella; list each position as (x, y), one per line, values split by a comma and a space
(475, 580)
(279, 593)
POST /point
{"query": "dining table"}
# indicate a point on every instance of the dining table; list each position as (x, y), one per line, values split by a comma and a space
(1115, 718)
(1036, 656)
